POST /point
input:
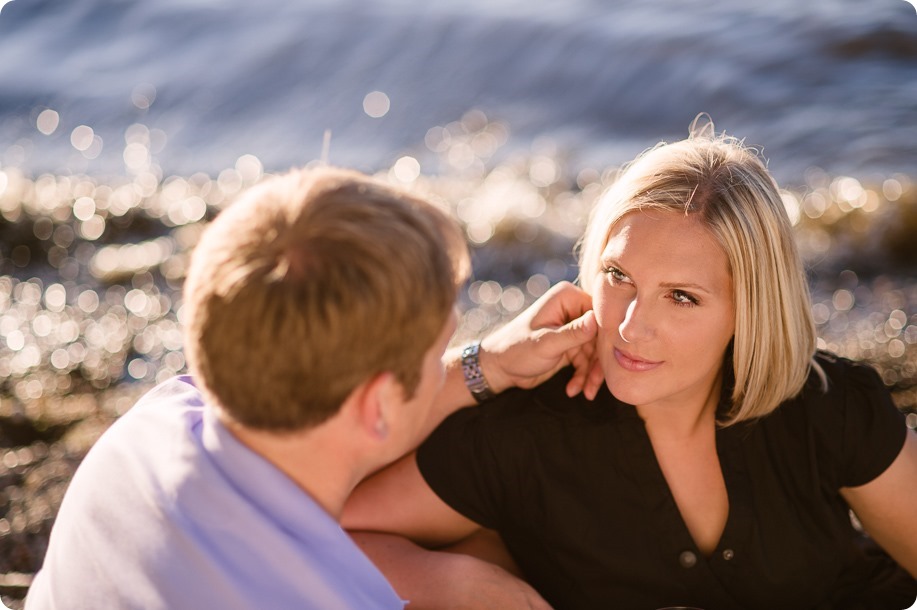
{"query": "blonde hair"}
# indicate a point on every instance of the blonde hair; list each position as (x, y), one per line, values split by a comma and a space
(312, 283)
(726, 187)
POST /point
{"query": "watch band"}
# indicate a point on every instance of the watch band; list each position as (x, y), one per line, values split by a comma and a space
(474, 378)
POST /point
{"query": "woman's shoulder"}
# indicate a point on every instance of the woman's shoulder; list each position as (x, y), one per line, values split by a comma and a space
(833, 377)
(838, 391)
(847, 411)
(549, 405)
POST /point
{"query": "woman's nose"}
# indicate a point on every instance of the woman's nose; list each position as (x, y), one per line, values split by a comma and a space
(635, 326)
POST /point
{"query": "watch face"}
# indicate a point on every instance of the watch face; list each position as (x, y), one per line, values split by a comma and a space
(471, 371)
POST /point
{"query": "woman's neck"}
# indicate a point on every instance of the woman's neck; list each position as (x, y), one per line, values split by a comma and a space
(682, 417)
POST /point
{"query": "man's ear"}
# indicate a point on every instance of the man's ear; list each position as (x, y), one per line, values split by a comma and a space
(375, 404)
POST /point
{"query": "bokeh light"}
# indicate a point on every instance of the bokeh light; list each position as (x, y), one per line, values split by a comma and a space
(406, 169)
(143, 96)
(47, 121)
(82, 137)
(376, 104)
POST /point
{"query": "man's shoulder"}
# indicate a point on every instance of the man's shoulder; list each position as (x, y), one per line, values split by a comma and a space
(179, 391)
(172, 404)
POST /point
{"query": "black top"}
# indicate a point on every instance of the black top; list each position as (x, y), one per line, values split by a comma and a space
(575, 490)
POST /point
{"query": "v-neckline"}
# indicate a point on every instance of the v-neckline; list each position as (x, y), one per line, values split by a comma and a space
(657, 487)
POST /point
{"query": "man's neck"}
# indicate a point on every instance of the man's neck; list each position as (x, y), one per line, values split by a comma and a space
(319, 460)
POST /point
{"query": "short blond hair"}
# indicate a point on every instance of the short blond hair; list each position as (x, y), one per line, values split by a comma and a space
(310, 284)
(727, 187)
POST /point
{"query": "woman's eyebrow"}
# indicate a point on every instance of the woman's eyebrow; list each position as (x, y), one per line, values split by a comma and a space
(611, 261)
(689, 285)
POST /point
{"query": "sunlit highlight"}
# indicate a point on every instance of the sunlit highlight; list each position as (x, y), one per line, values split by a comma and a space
(376, 104)
(47, 121)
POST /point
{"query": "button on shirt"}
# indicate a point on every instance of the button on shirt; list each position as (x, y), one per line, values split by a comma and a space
(578, 496)
(687, 559)
(170, 511)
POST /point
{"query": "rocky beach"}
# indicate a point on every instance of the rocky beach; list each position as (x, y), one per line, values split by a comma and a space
(91, 273)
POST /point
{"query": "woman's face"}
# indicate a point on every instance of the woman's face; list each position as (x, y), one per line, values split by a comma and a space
(664, 305)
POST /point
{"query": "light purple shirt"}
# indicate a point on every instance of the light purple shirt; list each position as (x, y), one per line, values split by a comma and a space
(170, 511)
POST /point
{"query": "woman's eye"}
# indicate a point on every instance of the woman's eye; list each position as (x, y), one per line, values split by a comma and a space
(616, 275)
(683, 298)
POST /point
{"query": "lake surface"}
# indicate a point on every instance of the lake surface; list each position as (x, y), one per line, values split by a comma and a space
(826, 83)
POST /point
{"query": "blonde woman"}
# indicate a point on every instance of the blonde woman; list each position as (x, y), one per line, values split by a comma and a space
(718, 464)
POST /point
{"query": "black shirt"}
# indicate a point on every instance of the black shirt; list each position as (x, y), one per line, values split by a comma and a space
(576, 492)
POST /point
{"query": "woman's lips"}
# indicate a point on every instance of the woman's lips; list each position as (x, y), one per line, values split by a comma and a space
(632, 363)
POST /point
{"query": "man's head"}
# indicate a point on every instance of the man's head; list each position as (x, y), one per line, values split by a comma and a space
(309, 285)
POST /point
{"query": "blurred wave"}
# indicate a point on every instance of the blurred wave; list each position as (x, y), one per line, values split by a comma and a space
(831, 84)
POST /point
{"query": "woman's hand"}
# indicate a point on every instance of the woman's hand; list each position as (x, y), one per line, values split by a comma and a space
(483, 585)
(440, 580)
(558, 330)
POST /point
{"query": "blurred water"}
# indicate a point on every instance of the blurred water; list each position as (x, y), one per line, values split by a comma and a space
(829, 83)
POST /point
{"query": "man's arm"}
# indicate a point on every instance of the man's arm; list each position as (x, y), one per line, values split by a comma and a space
(558, 330)
(433, 556)
(397, 500)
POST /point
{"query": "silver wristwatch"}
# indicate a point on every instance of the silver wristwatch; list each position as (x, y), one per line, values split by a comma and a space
(474, 378)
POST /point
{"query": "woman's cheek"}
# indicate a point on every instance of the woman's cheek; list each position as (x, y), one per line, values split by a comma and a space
(600, 306)
(604, 317)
